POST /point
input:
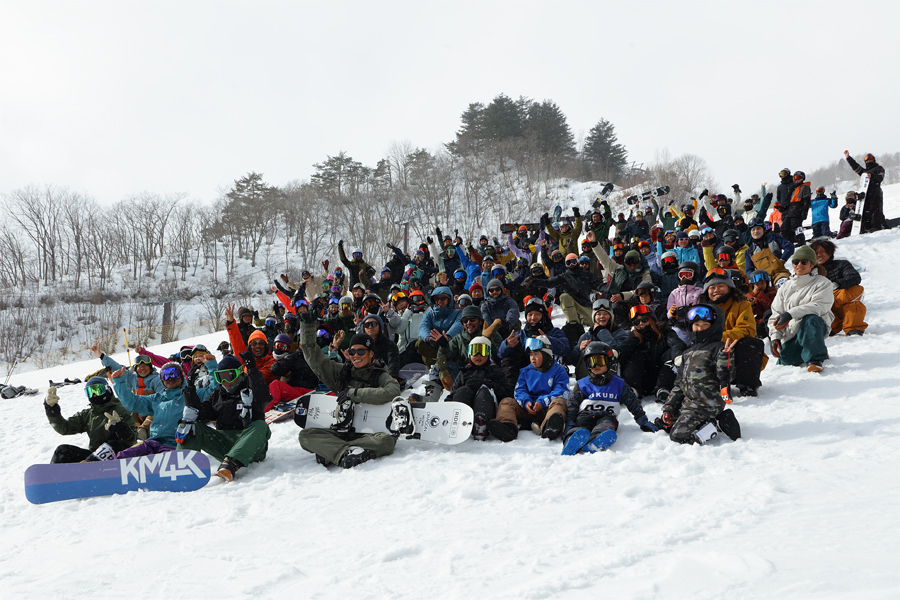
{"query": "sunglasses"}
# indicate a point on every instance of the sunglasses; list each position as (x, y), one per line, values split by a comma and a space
(357, 351)
(370, 324)
(494, 289)
(479, 350)
(799, 261)
(171, 373)
(95, 390)
(469, 320)
(641, 319)
(227, 375)
(257, 343)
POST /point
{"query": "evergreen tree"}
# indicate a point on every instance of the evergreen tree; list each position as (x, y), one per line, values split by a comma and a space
(601, 150)
(471, 136)
(340, 176)
(546, 126)
(502, 120)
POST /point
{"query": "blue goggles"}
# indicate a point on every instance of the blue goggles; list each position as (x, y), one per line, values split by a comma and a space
(534, 344)
(759, 277)
(701, 313)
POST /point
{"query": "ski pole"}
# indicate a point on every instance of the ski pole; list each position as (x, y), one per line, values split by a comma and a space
(127, 350)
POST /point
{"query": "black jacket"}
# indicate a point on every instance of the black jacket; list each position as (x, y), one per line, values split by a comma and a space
(295, 365)
(576, 282)
(490, 375)
(876, 176)
(842, 273)
(221, 406)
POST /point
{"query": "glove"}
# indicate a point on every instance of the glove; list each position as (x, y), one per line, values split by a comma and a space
(736, 188)
(783, 320)
(185, 428)
(703, 193)
(437, 231)
(769, 197)
(707, 243)
(646, 425)
(325, 264)
(307, 317)
(143, 433)
(249, 359)
(52, 410)
(340, 243)
(668, 418)
(255, 314)
(191, 399)
(112, 419)
(429, 239)
(52, 397)
(725, 395)
(576, 212)
(835, 285)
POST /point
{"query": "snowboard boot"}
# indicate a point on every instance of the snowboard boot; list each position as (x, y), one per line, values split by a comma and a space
(402, 423)
(706, 433)
(536, 428)
(433, 391)
(728, 424)
(814, 366)
(855, 332)
(480, 427)
(553, 427)
(505, 432)
(228, 468)
(322, 461)
(601, 442)
(576, 442)
(573, 331)
(662, 395)
(746, 390)
(355, 456)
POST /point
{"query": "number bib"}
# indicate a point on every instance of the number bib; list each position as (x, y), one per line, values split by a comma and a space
(598, 407)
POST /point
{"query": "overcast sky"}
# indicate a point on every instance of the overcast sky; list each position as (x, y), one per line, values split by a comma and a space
(116, 98)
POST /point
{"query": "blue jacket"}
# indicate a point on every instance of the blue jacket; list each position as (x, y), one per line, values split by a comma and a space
(535, 386)
(151, 381)
(820, 205)
(443, 319)
(689, 253)
(559, 343)
(166, 408)
(473, 270)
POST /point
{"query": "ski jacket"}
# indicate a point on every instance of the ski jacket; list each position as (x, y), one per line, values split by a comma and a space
(739, 320)
(612, 335)
(591, 399)
(576, 282)
(801, 295)
(387, 352)
(408, 330)
(622, 281)
(489, 375)
(798, 207)
(472, 268)
(368, 385)
(761, 302)
(502, 307)
(780, 247)
(568, 242)
(263, 363)
(655, 349)
(820, 205)
(445, 320)
(458, 348)
(222, 404)
(784, 190)
(92, 421)
(876, 176)
(842, 272)
(166, 408)
(353, 266)
(539, 386)
(689, 253)
(684, 296)
(705, 369)
(559, 343)
(142, 386)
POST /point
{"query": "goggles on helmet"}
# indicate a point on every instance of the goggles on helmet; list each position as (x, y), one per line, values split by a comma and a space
(96, 390)
(759, 277)
(271, 321)
(170, 373)
(596, 360)
(701, 313)
(281, 346)
(723, 256)
(685, 274)
(638, 310)
(534, 344)
(479, 350)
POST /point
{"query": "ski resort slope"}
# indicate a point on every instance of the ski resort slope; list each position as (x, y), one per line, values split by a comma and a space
(805, 505)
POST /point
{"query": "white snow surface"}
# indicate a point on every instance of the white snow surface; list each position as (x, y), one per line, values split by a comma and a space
(805, 505)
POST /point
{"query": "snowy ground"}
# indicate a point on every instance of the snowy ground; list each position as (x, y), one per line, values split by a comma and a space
(806, 505)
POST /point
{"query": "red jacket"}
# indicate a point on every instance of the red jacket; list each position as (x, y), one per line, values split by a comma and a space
(264, 363)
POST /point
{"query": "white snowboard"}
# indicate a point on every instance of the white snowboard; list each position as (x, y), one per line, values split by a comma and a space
(438, 422)
(861, 194)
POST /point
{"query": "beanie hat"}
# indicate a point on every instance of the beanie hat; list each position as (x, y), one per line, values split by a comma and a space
(362, 339)
(257, 335)
(495, 283)
(375, 318)
(243, 311)
(476, 286)
(472, 311)
(229, 362)
(712, 280)
(805, 252)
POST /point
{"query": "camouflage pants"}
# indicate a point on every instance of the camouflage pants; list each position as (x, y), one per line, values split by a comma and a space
(690, 420)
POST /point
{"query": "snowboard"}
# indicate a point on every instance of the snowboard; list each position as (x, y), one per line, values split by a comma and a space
(281, 412)
(645, 196)
(176, 471)
(14, 391)
(514, 227)
(438, 422)
(861, 196)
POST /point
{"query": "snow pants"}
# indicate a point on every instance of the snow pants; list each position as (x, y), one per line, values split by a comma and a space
(596, 424)
(873, 213)
(144, 449)
(748, 361)
(809, 344)
(849, 311)
(575, 312)
(427, 352)
(481, 400)
(510, 412)
(689, 420)
(645, 377)
(846, 229)
(245, 445)
(332, 445)
(821, 229)
(67, 453)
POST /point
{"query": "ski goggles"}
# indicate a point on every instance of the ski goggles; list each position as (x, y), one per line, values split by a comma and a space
(670, 260)
(322, 333)
(640, 310)
(534, 304)
(534, 344)
(717, 273)
(398, 297)
(336, 289)
(601, 303)
(632, 262)
(723, 256)
(783, 173)
(685, 274)
(701, 313)
(618, 247)
(596, 360)
(498, 272)
(223, 376)
(96, 390)
(301, 302)
(799, 261)
(281, 346)
(479, 350)
(759, 277)
(572, 262)
(463, 302)
(643, 244)
(142, 359)
(729, 238)
(333, 301)
(185, 353)
(171, 373)
(644, 292)
(459, 275)
(258, 343)
(271, 322)
(357, 255)
(584, 260)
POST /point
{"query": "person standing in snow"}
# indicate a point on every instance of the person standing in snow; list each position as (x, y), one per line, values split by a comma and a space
(873, 211)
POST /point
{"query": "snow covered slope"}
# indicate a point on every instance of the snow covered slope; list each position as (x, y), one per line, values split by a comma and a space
(806, 505)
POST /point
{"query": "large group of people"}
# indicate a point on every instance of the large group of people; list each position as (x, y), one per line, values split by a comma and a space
(671, 303)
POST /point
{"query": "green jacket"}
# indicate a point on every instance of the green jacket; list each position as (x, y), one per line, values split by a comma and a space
(568, 242)
(369, 385)
(458, 348)
(92, 421)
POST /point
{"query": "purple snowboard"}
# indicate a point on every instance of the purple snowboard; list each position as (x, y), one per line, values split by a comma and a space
(178, 471)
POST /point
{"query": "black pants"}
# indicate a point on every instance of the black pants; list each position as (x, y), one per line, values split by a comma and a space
(872, 214)
(481, 400)
(748, 356)
(66, 453)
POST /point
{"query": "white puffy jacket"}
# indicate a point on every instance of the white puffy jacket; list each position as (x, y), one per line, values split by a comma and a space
(802, 295)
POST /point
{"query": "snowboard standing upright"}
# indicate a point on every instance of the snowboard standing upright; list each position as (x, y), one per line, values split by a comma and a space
(860, 198)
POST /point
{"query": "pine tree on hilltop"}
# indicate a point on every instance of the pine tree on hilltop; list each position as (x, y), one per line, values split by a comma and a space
(606, 157)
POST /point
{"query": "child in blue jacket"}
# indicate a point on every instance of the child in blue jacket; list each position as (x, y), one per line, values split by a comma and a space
(538, 396)
(820, 205)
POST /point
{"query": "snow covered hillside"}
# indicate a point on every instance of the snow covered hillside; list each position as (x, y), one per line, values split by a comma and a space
(805, 505)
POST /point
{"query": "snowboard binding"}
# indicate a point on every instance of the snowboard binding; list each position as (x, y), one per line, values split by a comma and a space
(343, 415)
(401, 422)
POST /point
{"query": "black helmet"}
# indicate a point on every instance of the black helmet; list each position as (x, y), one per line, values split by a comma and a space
(689, 264)
(599, 351)
(785, 172)
(731, 235)
(645, 285)
(800, 175)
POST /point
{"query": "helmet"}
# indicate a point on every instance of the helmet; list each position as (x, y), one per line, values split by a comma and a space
(731, 235)
(98, 391)
(537, 268)
(645, 285)
(689, 265)
(357, 253)
(820, 189)
(281, 345)
(869, 158)
(669, 259)
(346, 300)
(460, 274)
(598, 354)
(800, 175)
(785, 172)
(463, 301)
(724, 249)
(760, 275)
